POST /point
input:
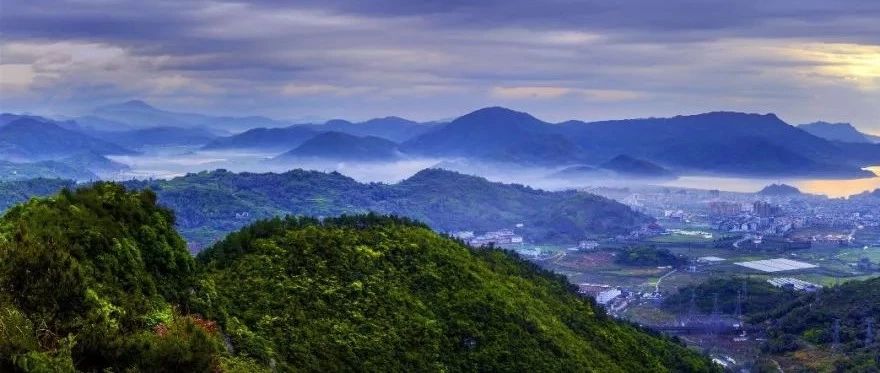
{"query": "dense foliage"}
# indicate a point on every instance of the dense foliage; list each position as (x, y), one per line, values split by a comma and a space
(806, 323)
(758, 296)
(378, 293)
(86, 276)
(98, 280)
(648, 256)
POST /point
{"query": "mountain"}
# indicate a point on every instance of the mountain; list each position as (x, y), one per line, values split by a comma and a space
(211, 204)
(139, 114)
(391, 295)
(843, 132)
(86, 166)
(18, 191)
(123, 270)
(711, 143)
(342, 146)
(580, 172)
(391, 128)
(779, 190)
(342, 294)
(43, 169)
(287, 138)
(29, 139)
(270, 139)
(497, 134)
(631, 167)
(717, 142)
(156, 137)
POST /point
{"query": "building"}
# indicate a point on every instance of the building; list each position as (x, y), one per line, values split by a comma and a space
(724, 208)
(605, 297)
(502, 238)
(765, 209)
(794, 284)
(588, 245)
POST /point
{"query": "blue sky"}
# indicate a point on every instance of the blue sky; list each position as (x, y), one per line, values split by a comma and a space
(805, 60)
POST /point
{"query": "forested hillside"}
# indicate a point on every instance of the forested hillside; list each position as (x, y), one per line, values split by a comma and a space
(351, 293)
(211, 204)
(95, 279)
(802, 330)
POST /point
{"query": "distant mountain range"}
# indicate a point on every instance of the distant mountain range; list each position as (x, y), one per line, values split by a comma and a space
(137, 114)
(392, 128)
(843, 132)
(31, 139)
(342, 146)
(724, 143)
(287, 138)
(270, 139)
(719, 142)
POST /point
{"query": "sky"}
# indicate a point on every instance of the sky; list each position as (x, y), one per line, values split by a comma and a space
(804, 60)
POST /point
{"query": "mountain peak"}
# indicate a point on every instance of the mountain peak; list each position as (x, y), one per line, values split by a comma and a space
(497, 113)
(137, 104)
(130, 105)
(844, 132)
(337, 122)
(779, 190)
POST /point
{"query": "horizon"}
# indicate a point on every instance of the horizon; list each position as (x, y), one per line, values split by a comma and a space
(806, 62)
(316, 120)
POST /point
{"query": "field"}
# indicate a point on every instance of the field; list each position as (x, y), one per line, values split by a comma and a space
(835, 264)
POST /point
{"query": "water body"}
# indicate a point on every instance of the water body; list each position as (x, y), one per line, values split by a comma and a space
(834, 188)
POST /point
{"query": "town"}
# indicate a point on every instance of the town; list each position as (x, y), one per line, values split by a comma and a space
(792, 241)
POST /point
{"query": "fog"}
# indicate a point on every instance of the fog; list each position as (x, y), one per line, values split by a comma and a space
(167, 163)
(172, 162)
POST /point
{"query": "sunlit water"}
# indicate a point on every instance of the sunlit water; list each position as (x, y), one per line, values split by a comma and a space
(830, 187)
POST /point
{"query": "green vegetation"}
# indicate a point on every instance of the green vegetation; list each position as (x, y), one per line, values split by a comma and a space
(648, 256)
(15, 192)
(211, 204)
(806, 323)
(98, 280)
(87, 276)
(758, 296)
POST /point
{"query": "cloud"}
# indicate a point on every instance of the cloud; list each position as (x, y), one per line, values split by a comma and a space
(591, 58)
(530, 92)
(549, 93)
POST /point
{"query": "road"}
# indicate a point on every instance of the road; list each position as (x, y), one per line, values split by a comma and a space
(657, 285)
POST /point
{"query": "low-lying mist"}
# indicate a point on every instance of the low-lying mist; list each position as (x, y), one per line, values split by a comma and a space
(171, 162)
